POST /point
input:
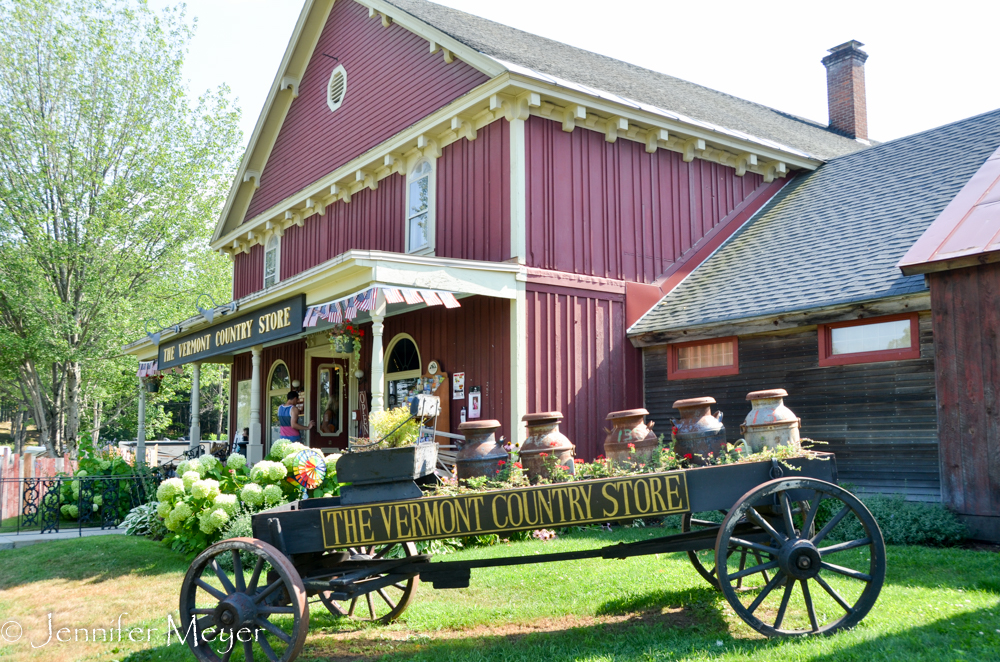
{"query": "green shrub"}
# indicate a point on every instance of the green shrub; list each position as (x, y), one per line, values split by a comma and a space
(144, 521)
(240, 526)
(384, 422)
(902, 522)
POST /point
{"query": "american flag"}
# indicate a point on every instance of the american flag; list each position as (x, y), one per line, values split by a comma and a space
(392, 295)
(312, 316)
(350, 308)
(366, 300)
(336, 316)
(449, 300)
(430, 298)
(412, 297)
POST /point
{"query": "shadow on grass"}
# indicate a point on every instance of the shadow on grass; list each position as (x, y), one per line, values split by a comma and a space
(94, 559)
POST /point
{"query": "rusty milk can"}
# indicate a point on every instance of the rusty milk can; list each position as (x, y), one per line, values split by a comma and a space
(545, 439)
(481, 455)
(698, 431)
(770, 423)
(629, 427)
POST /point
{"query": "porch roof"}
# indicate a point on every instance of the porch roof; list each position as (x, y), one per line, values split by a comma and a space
(356, 270)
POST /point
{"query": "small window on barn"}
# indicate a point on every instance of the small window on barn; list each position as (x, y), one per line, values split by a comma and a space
(703, 358)
(336, 90)
(420, 208)
(894, 338)
(272, 261)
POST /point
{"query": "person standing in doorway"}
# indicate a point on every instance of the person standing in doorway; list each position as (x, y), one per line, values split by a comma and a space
(288, 418)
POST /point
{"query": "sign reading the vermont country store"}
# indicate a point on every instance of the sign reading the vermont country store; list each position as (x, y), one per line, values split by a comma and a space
(549, 506)
(230, 335)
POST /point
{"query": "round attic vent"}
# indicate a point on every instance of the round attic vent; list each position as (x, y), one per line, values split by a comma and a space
(337, 88)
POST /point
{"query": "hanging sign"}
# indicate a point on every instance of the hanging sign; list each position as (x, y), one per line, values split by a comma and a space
(279, 320)
(458, 386)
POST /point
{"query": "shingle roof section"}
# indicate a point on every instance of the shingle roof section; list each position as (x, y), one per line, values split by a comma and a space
(835, 235)
(560, 60)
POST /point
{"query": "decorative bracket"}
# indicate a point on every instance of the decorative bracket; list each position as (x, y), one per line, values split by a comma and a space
(428, 147)
(614, 125)
(463, 128)
(691, 146)
(653, 139)
(745, 161)
(291, 83)
(254, 176)
(367, 179)
(571, 115)
(775, 169)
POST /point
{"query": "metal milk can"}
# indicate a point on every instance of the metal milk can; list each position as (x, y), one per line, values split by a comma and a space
(698, 431)
(481, 455)
(544, 438)
(629, 429)
(770, 423)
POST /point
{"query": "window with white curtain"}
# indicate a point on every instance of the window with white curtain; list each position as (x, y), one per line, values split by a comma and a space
(420, 208)
(272, 260)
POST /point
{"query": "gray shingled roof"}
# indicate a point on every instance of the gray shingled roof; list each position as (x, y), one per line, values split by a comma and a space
(835, 235)
(644, 85)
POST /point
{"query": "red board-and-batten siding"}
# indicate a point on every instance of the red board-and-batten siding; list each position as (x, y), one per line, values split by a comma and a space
(614, 211)
(393, 81)
(473, 215)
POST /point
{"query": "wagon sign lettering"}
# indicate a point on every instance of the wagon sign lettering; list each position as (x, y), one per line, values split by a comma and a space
(591, 502)
(277, 321)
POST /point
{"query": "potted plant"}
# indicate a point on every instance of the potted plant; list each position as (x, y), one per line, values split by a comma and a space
(152, 383)
(384, 467)
(346, 339)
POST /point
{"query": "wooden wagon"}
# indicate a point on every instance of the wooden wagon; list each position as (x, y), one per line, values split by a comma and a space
(759, 532)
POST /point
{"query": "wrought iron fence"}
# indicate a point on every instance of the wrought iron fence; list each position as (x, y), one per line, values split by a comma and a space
(52, 504)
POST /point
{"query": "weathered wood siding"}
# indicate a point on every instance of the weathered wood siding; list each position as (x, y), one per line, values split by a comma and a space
(579, 361)
(966, 306)
(392, 81)
(879, 418)
(612, 210)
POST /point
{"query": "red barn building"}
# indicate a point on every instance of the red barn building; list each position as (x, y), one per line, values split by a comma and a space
(474, 197)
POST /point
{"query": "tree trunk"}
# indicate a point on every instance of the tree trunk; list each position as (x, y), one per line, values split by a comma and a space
(73, 407)
(96, 432)
(29, 376)
(17, 426)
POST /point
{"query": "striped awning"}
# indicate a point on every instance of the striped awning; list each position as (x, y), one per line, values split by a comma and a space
(347, 308)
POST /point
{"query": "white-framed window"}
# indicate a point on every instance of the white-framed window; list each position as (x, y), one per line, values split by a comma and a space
(336, 89)
(272, 261)
(330, 387)
(420, 207)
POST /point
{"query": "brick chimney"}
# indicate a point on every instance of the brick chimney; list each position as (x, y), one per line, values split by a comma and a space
(845, 89)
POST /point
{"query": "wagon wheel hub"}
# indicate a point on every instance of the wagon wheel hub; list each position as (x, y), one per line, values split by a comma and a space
(235, 611)
(799, 559)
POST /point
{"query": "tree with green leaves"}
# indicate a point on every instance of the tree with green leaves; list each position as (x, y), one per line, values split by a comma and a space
(111, 176)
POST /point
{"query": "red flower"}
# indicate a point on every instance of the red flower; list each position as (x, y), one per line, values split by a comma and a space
(600, 458)
(631, 447)
(502, 462)
(578, 461)
(518, 465)
(688, 456)
(564, 468)
(673, 430)
(641, 465)
(543, 455)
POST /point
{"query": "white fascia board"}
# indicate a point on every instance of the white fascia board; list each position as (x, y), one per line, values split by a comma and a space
(685, 124)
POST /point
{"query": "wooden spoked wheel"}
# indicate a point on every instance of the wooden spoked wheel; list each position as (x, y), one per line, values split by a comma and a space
(813, 584)
(389, 595)
(702, 560)
(231, 614)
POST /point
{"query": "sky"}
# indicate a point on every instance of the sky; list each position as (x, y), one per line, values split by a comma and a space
(930, 63)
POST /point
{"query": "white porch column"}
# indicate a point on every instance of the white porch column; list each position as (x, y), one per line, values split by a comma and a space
(517, 114)
(195, 405)
(518, 364)
(255, 450)
(140, 444)
(378, 358)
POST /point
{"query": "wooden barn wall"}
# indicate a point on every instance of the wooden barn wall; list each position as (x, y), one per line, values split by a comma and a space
(612, 210)
(579, 361)
(474, 339)
(393, 80)
(879, 418)
(473, 196)
(248, 272)
(372, 220)
(966, 307)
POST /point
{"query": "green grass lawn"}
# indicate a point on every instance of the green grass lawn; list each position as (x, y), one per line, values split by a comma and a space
(937, 604)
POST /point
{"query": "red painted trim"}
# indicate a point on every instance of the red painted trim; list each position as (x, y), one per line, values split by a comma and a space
(639, 299)
(673, 373)
(828, 358)
(681, 269)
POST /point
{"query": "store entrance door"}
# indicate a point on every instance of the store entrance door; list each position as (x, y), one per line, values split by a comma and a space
(328, 400)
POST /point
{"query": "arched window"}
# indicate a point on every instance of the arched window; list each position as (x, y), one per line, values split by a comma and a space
(402, 370)
(272, 261)
(278, 386)
(420, 208)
